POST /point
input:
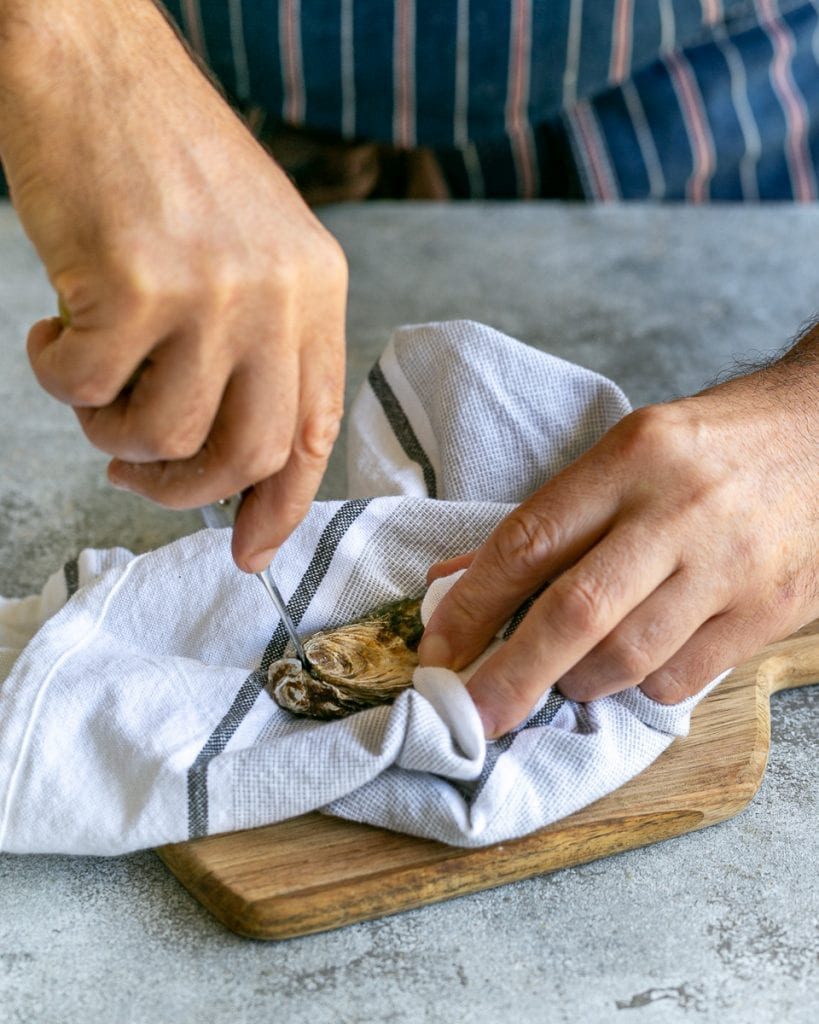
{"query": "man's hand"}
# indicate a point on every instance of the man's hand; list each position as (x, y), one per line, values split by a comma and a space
(206, 338)
(679, 545)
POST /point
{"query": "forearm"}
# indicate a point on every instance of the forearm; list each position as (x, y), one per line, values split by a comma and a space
(12, 16)
(805, 353)
(23, 19)
(77, 59)
(786, 384)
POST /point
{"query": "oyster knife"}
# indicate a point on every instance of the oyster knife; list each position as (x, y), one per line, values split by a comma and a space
(223, 513)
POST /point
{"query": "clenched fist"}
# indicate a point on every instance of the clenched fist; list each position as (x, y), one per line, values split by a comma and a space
(205, 350)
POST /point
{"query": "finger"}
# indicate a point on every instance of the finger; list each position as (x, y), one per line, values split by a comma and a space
(85, 368)
(533, 544)
(251, 439)
(275, 506)
(41, 335)
(449, 566)
(719, 644)
(170, 409)
(567, 621)
(644, 641)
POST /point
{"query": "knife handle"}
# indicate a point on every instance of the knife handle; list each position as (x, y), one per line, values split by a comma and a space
(221, 514)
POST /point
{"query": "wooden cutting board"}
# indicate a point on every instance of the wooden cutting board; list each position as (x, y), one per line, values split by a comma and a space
(314, 873)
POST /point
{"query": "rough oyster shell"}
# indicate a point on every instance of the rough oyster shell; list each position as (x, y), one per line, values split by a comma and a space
(355, 666)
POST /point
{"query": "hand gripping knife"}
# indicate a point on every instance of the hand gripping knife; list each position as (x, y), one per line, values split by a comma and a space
(223, 513)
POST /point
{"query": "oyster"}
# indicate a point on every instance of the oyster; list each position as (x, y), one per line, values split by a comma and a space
(352, 667)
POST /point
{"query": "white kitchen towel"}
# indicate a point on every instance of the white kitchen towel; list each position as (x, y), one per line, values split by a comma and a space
(135, 710)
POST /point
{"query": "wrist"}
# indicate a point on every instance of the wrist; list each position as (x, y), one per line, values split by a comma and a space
(794, 377)
(794, 370)
(805, 352)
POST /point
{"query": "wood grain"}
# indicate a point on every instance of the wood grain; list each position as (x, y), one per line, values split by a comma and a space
(314, 873)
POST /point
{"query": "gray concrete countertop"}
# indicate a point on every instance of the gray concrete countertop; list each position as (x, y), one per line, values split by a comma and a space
(718, 925)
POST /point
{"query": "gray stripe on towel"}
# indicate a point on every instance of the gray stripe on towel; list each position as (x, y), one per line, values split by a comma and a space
(402, 428)
(244, 700)
(71, 572)
(470, 791)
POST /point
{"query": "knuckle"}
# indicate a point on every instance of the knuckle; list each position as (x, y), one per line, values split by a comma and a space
(225, 285)
(579, 687)
(670, 685)
(335, 263)
(172, 439)
(162, 482)
(583, 606)
(319, 434)
(675, 440)
(91, 388)
(653, 432)
(458, 608)
(260, 461)
(466, 618)
(467, 608)
(174, 447)
(132, 281)
(227, 291)
(327, 258)
(526, 539)
(629, 657)
(103, 435)
(279, 275)
(513, 690)
(682, 677)
(140, 286)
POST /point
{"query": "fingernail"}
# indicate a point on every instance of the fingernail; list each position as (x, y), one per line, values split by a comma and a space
(490, 726)
(261, 559)
(434, 650)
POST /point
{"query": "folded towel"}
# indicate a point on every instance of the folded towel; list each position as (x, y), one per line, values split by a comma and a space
(135, 710)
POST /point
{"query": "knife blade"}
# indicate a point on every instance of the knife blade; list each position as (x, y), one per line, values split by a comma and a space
(223, 513)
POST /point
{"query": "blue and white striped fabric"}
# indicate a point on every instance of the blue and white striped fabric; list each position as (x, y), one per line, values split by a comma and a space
(136, 708)
(599, 99)
(607, 99)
